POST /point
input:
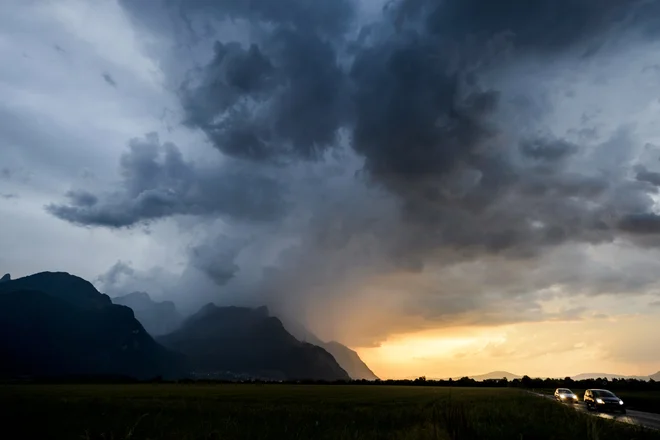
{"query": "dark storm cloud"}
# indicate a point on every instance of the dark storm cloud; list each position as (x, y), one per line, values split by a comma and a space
(109, 79)
(157, 182)
(644, 175)
(411, 118)
(538, 25)
(645, 223)
(413, 103)
(287, 102)
(327, 17)
(82, 198)
(547, 149)
(217, 259)
(416, 109)
(434, 167)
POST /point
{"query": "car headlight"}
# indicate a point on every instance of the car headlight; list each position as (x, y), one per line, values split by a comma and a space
(620, 402)
(599, 400)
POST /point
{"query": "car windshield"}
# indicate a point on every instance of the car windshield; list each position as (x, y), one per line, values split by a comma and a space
(565, 391)
(603, 394)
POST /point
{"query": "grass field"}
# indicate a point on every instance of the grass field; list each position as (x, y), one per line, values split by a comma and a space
(170, 411)
(648, 401)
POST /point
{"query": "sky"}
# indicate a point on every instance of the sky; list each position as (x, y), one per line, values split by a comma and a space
(448, 187)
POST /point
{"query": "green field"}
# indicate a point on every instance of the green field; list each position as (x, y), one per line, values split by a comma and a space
(194, 411)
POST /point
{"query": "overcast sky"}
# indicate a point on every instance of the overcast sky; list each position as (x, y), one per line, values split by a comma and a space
(448, 187)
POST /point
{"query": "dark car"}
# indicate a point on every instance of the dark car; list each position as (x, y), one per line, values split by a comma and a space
(603, 400)
(565, 395)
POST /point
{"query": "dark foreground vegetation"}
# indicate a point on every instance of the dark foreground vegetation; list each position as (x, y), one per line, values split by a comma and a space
(270, 411)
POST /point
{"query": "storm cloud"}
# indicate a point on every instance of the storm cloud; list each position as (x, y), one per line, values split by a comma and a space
(352, 151)
(157, 182)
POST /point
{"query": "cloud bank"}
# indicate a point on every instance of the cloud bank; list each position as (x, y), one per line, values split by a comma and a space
(432, 164)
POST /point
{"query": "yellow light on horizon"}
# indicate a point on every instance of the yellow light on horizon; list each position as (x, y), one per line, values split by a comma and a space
(405, 353)
(524, 348)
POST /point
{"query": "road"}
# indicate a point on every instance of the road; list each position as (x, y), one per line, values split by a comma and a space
(639, 418)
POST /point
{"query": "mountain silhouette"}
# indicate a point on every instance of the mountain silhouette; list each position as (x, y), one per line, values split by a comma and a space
(491, 375)
(56, 324)
(5, 278)
(608, 376)
(583, 376)
(61, 285)
(349, 361)
(347, 358)
(236, 340)
(158, 318)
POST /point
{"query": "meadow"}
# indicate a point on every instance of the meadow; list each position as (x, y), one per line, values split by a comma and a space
(247, 411)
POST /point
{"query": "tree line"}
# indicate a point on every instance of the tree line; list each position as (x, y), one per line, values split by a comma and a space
(525, 382)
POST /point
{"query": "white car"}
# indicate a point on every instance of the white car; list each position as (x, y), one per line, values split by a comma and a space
(565, 395)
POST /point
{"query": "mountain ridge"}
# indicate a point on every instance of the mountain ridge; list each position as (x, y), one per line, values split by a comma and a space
(489, 376)
(157, 317)
(61, 325)
(70, 288)
(233, 340)
(581, 376)
(609, 376)
(349, 359)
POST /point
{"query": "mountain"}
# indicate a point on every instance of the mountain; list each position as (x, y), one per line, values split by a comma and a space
(583, 376)
(496, 375)
(347, 358)
(5, 278)
(158, 318)
(609, 376)
(60, 285)
(235, 340)
(349, 361)
(56, 324)
(492, 375)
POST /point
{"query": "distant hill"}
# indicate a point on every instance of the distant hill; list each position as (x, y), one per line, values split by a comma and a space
(609, 376)
(583, 376)
(497, 375)
(231, 340)
(56, 324)
(158, 318)
(5, 278)
(492, 375)
(347, 358)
